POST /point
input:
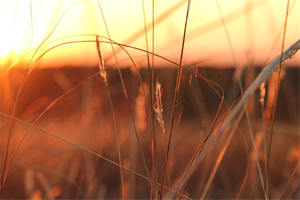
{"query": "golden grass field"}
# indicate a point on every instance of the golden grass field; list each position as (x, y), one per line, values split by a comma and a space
(151, 126)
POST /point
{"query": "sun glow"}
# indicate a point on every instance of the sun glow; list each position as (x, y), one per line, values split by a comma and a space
(15, 35)
(30, 27)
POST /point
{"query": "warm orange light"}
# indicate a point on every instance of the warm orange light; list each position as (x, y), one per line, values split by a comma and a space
(254, 26)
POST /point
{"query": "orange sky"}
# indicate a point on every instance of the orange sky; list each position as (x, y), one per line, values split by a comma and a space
(254, 27)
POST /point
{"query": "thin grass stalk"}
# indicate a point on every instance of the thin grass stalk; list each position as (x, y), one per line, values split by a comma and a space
(286, 186)
(130, 109)
(243, 182)
(261, 176)
(181, 183)
(154, 193)
(277, 39)
(242, 91)
(197, 157)
(150, 79)
(116, 128)
(176, 91)
(221, 155)
(276, 94)
(113, 50)
(124, 90)
(148, 61)
(146, 35)
(251, 133)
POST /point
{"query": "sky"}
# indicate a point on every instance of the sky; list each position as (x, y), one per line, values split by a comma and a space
(218, 32)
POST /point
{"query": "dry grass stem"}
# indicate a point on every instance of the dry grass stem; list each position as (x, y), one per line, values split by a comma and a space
(159, 107)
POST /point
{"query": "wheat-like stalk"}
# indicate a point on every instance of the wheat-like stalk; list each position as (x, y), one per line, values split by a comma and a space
(102, 70)
(159, 107)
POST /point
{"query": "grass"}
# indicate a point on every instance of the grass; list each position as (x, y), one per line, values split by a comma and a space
(175, 132)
